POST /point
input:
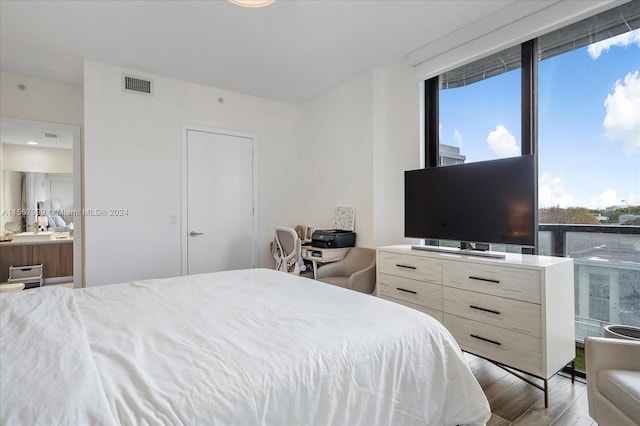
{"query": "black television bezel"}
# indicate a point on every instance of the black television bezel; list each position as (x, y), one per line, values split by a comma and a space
(516, 172)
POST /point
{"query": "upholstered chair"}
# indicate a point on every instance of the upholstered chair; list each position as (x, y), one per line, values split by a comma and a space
(357, 271)
(613, 380)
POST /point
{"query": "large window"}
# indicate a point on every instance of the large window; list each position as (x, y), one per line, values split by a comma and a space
(589, 161)
(479, 110)
(584, 125)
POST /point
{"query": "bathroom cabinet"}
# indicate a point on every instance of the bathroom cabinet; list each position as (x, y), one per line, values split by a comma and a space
(56, 256)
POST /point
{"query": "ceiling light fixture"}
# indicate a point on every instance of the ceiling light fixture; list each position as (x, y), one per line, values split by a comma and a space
(252, 3)
(32, 143)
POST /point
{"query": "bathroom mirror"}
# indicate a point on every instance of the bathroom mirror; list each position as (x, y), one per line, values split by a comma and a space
(29, 195)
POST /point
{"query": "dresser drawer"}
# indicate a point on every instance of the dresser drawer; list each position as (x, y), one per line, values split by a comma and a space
(437, 314)
(414, 267)
(412, 291)
(516, 350)
(514, 283)
(515, 315)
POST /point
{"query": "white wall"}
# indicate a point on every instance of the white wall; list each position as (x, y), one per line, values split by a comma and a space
(349, 146)
(132, 161)
(359, 139)
(37, 159)
(42, 100)
(338, 156)
(397, 147)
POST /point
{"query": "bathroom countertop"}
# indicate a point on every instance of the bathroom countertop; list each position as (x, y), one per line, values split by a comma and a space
(27, 243)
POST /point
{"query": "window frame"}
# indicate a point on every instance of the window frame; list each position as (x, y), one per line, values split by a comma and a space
(594, 28)
(528, 121)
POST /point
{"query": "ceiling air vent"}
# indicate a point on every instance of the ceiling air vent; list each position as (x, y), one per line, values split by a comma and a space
(50, 135)
(135, 84)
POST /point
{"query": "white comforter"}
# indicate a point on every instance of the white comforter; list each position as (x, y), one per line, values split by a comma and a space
(253, 347)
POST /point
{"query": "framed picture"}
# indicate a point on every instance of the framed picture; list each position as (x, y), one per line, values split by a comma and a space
(308, 232)
(345, 218)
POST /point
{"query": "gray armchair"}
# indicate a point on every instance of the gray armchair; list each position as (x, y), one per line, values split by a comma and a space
(613, 380)
(357, 271)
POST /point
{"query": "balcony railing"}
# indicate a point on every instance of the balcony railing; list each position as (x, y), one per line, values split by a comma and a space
(607, 272)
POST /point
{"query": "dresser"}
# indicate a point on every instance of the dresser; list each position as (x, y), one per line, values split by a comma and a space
(517, 312)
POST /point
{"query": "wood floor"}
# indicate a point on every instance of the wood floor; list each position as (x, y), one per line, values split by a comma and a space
(515, 402)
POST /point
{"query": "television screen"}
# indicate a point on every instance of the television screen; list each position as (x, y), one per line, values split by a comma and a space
(484, 202)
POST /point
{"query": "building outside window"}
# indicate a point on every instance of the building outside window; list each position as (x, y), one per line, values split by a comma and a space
(450, 155)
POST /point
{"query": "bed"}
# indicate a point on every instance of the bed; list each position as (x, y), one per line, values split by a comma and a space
(248, 347)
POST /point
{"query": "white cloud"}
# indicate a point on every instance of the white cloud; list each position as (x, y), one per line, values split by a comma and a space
(502, 142)
(622, 118)
(458, 137)
(551, 192)
(622, 40)
(632, 198)
(607, 198)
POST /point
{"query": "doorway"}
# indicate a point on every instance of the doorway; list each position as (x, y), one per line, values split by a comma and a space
(64, 154)
(218, 206)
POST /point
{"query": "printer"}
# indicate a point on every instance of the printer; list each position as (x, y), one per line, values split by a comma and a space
(333, 238)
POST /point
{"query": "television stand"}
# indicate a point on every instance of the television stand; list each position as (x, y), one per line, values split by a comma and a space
(518, 312)
(466, 252)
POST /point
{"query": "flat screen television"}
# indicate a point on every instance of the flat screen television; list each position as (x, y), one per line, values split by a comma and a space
(484, 202)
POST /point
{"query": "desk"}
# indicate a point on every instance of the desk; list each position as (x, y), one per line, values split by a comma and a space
(323, 255)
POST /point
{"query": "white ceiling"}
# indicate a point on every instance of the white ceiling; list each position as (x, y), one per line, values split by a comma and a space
(36, 132)
(290, 51)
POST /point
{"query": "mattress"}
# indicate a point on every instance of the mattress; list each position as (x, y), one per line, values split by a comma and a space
(248, 347)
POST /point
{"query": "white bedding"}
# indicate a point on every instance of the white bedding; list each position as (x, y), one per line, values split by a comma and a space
(251, 347)
(47, 373)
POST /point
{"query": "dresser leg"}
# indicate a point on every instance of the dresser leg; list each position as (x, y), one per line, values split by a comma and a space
(546, 393)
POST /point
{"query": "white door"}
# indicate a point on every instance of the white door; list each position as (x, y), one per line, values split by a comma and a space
(219, 188)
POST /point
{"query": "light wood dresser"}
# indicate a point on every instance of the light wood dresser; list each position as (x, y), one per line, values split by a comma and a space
(517, 312)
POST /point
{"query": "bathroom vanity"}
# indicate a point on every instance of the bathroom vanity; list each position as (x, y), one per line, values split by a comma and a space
(56, 254)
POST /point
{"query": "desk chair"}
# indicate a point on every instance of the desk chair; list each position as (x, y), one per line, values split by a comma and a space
(287, 251)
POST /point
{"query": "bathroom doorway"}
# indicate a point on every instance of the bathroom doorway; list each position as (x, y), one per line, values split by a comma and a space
(52, 153)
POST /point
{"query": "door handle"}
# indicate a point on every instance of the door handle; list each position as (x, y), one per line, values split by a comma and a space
(195, 234)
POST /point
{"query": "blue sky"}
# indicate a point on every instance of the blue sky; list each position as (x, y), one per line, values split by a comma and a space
(589, 123)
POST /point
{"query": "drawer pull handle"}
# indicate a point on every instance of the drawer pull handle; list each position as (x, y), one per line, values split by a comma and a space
(406, 291)
(491, 311)
(484, 279)
(495, 342)
(405, 266)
